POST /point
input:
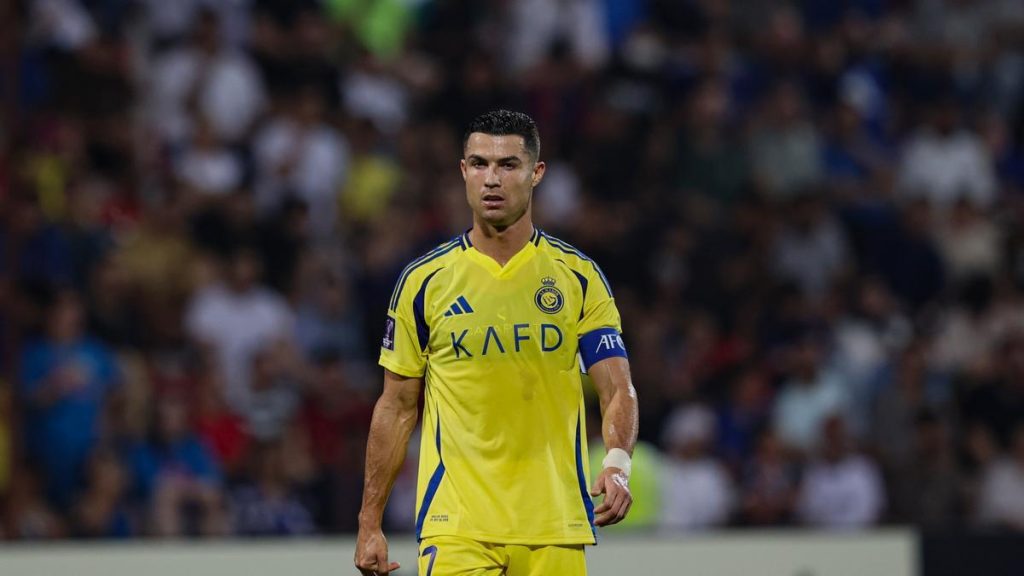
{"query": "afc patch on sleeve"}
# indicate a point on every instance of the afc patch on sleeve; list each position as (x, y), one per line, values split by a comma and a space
(388, 342)
(599, 344)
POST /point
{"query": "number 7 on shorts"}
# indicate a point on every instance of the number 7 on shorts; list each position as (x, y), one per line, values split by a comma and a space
(432, 550)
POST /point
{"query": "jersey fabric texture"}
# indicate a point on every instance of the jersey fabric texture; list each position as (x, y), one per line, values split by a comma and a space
(503, 455)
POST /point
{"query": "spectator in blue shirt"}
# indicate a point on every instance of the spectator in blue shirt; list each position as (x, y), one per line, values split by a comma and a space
(176, 475)
(66, 381)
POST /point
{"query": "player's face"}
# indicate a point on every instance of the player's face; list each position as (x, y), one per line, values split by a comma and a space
(500, 175)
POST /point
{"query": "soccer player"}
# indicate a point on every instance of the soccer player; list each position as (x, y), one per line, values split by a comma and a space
(495, 324)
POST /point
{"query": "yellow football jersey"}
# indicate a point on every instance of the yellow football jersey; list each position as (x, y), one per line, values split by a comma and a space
(503, 456)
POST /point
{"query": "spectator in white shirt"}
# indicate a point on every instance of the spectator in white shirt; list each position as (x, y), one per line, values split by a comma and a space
(537, 24)
(944, 162)
(808, 397)
(841, 489)
(223, 83)
(236, 318)
(970, 242)
(1001, 495)
(298, 153)
(697, 492)
(207, 166)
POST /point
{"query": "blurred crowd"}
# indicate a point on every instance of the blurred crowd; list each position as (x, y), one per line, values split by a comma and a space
(810, 212)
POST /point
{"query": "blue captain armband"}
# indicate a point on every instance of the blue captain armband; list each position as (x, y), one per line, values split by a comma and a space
(599, 344)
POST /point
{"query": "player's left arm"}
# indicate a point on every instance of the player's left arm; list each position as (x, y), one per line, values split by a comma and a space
(619, 426)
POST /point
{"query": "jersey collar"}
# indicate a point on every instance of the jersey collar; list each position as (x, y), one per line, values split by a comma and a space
(525, 254)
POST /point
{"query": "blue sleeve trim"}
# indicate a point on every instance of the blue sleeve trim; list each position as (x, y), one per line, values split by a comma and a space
(599, 344)
(422, 328)
(583, 284)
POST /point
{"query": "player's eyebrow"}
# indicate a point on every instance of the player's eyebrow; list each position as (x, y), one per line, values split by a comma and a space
(477, 157)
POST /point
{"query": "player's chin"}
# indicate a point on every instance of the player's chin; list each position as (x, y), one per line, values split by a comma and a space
(498, 217)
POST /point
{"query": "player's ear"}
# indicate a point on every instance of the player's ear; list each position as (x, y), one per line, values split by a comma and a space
(538, 172)
(462, 167)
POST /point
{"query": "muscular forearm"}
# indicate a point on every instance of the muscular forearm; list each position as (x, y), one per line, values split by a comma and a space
(392, 424)
(619, 427)
(619, 412)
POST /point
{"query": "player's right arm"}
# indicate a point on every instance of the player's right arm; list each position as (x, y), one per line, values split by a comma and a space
(394, 418)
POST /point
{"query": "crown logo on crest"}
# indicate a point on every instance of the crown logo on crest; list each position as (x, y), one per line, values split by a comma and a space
(547, 281)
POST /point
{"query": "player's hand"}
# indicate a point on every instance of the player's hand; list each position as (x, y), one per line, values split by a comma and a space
(372, 553)
(614, 484)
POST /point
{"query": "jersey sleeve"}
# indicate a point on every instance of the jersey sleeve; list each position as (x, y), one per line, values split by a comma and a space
(599, 309)
(600, 326)
(400, 349)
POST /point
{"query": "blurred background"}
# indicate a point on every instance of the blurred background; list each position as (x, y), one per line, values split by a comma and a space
(810, 213)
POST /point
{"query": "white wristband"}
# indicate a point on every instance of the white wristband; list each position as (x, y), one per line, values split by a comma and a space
(618, 458)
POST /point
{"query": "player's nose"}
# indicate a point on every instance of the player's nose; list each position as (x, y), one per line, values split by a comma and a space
(491, 180)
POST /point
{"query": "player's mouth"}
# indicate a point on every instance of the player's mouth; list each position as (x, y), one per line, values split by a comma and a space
(492, 201)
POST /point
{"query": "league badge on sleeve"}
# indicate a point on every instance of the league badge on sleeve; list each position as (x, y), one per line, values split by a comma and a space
(548, 298)
(389, 334)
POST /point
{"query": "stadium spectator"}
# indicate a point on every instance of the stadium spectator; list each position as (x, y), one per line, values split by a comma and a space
(206, 166)
(697, 492)
(297, 153)
(769, 484)
(101, 510)
(335, 417)
(926, 488)
(206, 75)
(268, 505)
(709, 159)
(785, 148)
(840, 488)
(236, 318)
(328, 319)
(969, 242)
(175, 478)
(373, 180)
(742, 416)
(221, 430)
(873, 330)
(66, 382)
(37, 252)
(944, 162)
(1001, 493)
(810, 250)
(810, 395)
(537, 25)
(898, 245)
(905, 390)
(275, 391)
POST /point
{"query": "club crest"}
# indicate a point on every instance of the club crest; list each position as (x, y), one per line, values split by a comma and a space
(548, 298)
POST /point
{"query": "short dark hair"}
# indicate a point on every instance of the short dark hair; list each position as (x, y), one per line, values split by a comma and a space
(506, 123)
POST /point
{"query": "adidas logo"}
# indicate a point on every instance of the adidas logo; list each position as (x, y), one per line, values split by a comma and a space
(460, 306)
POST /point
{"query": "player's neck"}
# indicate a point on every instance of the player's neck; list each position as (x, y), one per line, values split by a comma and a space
(501, 245)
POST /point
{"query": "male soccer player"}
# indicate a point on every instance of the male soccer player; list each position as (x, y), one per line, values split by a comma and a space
(492, 322)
